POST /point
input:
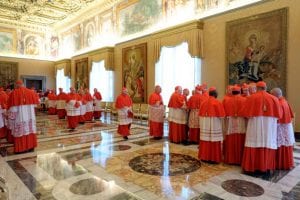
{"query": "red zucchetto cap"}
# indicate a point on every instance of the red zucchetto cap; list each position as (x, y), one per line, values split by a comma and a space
(236, 88)
(19, 82)
(261, 84)
(212, 89)
(245, 86)
(198, 87)
(177, 87)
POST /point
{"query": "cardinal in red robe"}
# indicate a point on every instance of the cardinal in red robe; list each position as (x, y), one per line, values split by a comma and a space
(89, 105)
(61, 104)
(97, 104)
(73, 108)
(245, 90)
(194, 105)
(177, 116)
(51, 103)
(285, 134)
(235, 127)
(21, 118)
(83, 103)
(211, 113)
(3, 107)
(156, 114)
(262, 110)
(124, 107)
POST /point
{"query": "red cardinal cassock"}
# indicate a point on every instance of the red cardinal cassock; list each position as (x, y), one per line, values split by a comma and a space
(89, 106)
(285, 137)
(211, 113)
(62, 97)
(73, 109)
(3, 107)
(177, 116)
(123, 105)
(235, 127)
(52, 103)
(21, 118)
(263, 111)
(193, 104)
(156, 115)
(97, 104)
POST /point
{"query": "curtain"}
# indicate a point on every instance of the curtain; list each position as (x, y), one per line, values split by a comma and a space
(103, 80)
(62, 81)
(176, 67)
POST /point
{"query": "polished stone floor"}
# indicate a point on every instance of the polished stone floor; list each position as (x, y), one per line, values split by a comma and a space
(94, 162)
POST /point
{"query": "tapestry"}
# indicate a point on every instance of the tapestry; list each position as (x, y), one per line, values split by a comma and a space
(256, 49)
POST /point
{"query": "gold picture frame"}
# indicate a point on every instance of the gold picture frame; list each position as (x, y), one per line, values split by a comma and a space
(134, 72)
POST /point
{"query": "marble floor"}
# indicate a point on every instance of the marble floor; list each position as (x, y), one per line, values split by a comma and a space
(94, 162)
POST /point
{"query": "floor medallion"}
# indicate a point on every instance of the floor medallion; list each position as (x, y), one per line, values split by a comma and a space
(159, 164)
(242, 188)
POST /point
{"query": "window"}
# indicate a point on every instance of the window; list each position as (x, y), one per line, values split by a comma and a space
(62, 81)
(176, 67)
(103, 80)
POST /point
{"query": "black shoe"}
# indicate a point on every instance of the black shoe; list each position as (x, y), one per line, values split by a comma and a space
(125, 138)
(185, 143)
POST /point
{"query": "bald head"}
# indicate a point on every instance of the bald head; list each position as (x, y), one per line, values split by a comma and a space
(178, 89)
(186, 92)
(157, 89)
(277, 92)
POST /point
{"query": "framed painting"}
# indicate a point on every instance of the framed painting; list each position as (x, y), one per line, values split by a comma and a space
(256, 49)
(8, 74)
(134, 16)
(134, 68)
(8, 41)
(81, 74)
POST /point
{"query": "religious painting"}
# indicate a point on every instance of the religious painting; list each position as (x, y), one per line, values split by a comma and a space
(71, 41)
(134, 63)
(90, 32)
(256, 49)
(137, 15)
(209, 4)
(175, 8)
(8, 41)
(54, 46)
(8, 74)
(81, 74)
(33, 43)
(106, 25)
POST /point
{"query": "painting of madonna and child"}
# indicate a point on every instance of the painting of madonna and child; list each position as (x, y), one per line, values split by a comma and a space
(256, 49)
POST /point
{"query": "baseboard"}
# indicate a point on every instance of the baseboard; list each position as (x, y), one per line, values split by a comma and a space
(297, 136)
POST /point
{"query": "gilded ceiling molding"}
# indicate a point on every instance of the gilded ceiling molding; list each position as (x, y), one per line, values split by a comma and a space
(85, 14)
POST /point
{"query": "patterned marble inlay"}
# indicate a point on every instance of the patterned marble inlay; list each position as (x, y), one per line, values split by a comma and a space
(160, 164)
(242, 188)
(149, 141)
(119, 147)
(124, 196)
(206, 196)
(87, 186)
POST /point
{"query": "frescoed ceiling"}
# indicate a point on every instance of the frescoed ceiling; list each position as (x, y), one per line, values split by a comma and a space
(44, 13)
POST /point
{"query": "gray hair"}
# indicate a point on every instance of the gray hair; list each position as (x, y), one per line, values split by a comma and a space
(276, 92)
